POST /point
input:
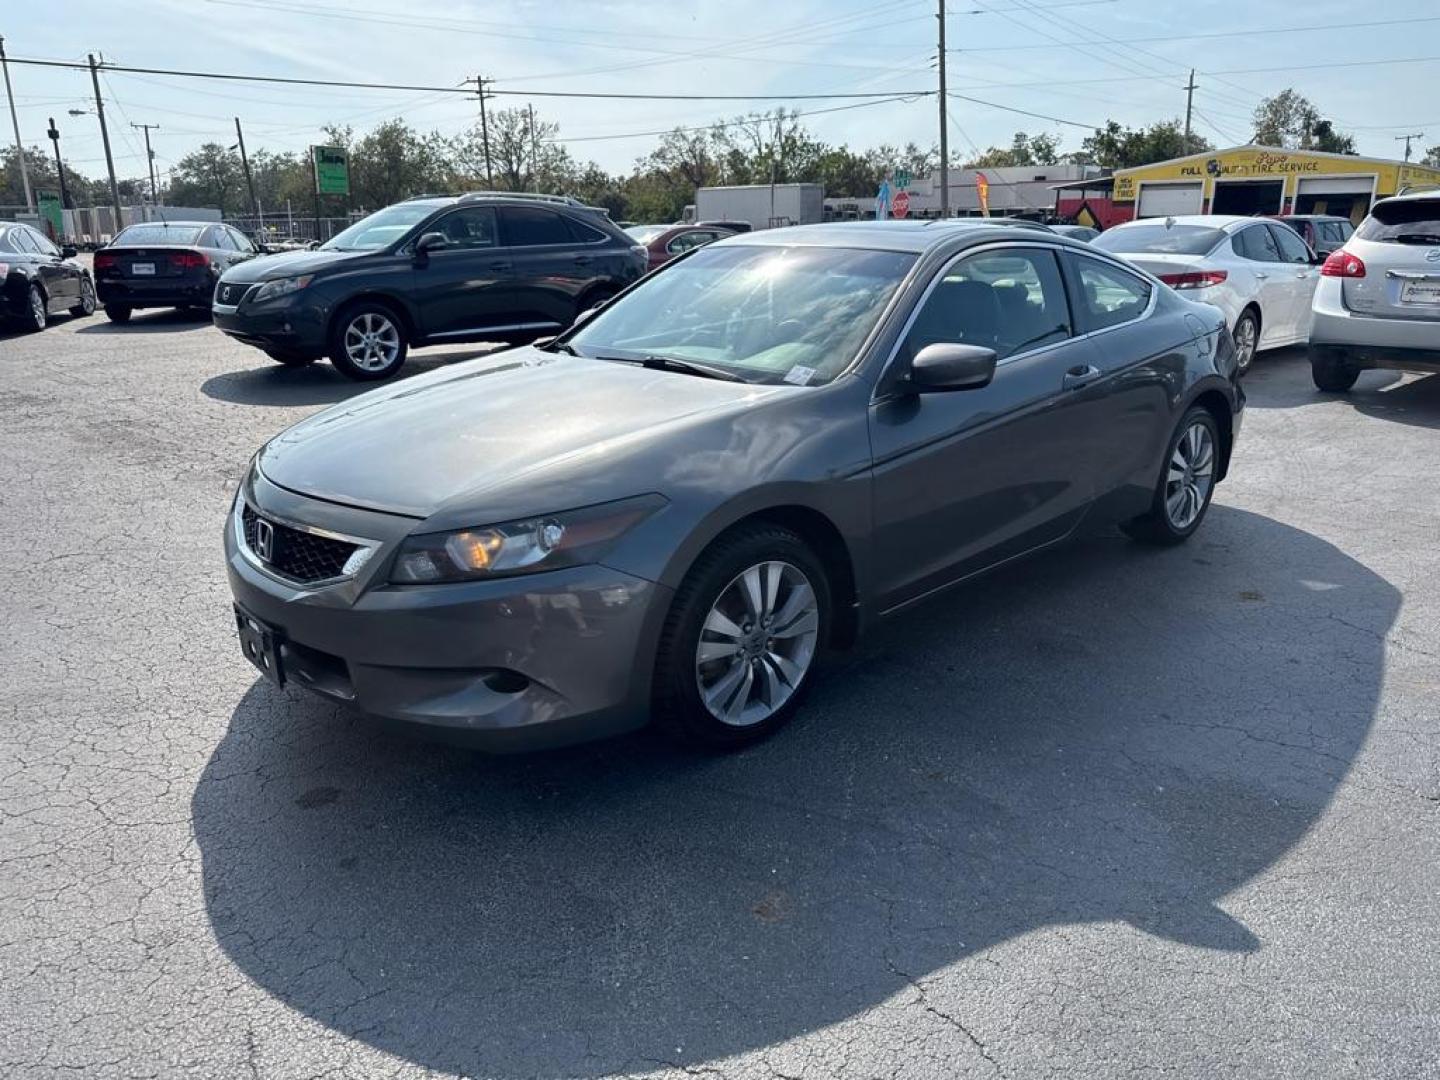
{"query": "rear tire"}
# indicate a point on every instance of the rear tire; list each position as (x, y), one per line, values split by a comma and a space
(86, 306)
(118, 312)
(1332, 372)
(740, 643)
(1247, 331)
(368, 342)
(35, 317)
(1186, 483)
(291, 359)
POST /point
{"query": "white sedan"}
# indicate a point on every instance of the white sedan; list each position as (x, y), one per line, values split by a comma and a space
(1258, 272)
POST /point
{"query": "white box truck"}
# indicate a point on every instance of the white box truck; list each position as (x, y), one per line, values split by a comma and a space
(762, 206)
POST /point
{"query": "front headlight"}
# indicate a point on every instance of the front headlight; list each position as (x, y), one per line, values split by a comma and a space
(281, 287)
(528, 546)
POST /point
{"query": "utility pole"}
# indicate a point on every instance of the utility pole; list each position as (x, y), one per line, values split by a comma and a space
(150, 161)
(534, 176)
(249, 180)
(484, 132)
(105, 138)
(1406, 140)
(15, 122)
(944, 121)
(54, 134)
(1189, 107)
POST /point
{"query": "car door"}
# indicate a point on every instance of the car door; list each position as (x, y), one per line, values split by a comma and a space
(1274, 282)
(551, 270)
(968, 478)
(61, 283)
(464, 289)
(1300, 275)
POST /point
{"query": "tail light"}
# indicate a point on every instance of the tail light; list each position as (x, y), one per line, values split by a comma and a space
(189, 260)
(1341, 263)
(104, 260)
(4, 269)
(1195, 279)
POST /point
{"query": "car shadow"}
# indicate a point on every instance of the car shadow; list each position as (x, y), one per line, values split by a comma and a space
(1285, 383)
(319, 383)
(1113, 734)
(159, 321)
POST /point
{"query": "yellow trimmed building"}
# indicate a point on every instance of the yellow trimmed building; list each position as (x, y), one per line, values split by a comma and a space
(1264, 180)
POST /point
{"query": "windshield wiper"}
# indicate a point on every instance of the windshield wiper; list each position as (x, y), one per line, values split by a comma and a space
(1418, 238)
(656, 362)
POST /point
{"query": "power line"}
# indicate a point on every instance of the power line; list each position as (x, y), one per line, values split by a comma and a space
(1026, 112)
(1216, 34)
(728, 123)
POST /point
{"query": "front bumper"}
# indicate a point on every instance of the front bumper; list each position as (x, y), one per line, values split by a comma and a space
(512, 664)
(290, 323)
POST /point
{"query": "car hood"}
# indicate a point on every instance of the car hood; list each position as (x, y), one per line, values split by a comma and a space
(438, 443)
(287, 264)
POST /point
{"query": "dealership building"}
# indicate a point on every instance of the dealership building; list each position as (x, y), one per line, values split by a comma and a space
(1244, 180)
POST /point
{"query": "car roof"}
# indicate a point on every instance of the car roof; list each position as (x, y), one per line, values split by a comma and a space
(1411, 196)
(911, 236)
(1227, 222)
(176, 224)
(1312, 217)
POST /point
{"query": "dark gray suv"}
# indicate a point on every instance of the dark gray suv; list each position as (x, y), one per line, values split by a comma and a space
(488, 266)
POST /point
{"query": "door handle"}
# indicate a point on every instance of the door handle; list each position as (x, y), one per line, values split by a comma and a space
(581, 260)
(1261, 274)
(1080, 375)
(497, 266)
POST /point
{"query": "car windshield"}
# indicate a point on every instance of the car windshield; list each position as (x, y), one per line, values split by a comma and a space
(156, 233)
(765, 314)
(380, 229)
(646, 233)
(1160, 239)
(1406, 221)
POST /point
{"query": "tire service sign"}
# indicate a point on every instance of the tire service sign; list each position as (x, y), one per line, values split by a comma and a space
(332, 170)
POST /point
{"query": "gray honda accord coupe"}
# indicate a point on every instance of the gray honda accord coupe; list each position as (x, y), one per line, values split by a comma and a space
(743, 461)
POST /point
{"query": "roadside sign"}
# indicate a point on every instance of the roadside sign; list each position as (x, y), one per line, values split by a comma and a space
(902, 178)
(332, 170)
(901, 205)
(51, 213)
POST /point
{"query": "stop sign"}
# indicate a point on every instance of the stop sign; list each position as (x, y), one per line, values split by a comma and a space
(901, 206)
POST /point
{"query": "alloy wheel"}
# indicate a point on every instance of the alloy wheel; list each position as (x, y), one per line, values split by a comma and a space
(372, 341)
(87, 297)
(757, 643)
(1191, 476)
(37, 309)
(1246, 338)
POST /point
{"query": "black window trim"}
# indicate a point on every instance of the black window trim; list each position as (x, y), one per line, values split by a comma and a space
(1274, 227)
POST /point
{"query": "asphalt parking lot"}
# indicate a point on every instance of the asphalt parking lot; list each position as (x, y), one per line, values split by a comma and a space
(1120, 812)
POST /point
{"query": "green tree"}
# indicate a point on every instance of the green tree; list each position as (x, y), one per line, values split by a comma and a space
(41, 167)
(1432, 157)
(1291, 121)
(209, 177)
(1116, 147)
(1023, 150)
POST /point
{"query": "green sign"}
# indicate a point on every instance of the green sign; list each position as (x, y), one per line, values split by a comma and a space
(51, 213)
(332, 170)
(902, 178)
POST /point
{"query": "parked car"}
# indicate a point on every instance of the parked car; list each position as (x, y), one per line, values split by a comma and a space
(725, 223)
(37, 279)
(664, 242)
(1258, 272)
(166, 264)
(757, 452)
(434, 269)
(1077, 232)
(1378, 301)
(1323, 232)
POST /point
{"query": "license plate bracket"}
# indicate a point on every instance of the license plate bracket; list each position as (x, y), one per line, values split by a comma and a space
(1426, 291)
(142, 269)
(260, 643)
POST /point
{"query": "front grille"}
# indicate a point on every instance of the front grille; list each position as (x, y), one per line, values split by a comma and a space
(230, 294)
(300, 556)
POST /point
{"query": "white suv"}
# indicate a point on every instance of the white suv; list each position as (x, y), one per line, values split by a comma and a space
(1378, 301)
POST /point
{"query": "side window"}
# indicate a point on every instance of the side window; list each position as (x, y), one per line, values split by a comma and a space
(1256, 243)
(467, 229)
(584, 234)
(687, 240)
(24, 242)
(217, 237)
(1010, 300)
(241, 242)
(1292, 248)
(1109, 296)
(43, 245)
(528, 226)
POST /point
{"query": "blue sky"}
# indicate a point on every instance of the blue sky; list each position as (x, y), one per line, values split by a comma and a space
(1055, 57)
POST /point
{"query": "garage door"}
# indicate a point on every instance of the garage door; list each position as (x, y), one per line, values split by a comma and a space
(1347, 196)
(1165, 200)
(1343, 185)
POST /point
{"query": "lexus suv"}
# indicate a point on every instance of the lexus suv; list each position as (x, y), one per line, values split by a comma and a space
(487, 266)
(1378, 301)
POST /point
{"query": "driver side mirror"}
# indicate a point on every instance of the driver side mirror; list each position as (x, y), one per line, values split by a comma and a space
(68, 251)
(950, 366)
(431, 241)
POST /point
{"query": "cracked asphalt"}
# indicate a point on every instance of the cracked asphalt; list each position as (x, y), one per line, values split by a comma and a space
(1113, 813)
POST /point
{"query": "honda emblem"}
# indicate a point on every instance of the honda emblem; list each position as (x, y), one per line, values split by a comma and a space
(264, 539)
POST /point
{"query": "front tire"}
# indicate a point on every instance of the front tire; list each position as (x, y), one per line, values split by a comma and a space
(118, 312)
(1247, 340)
(1332, 373)
(368, 342)
(741, 639)
(1187, 482)
(86, 306)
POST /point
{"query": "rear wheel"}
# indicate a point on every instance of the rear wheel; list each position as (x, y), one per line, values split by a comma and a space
(1332, 372)
(86, 306)
(1187, 481)
(290, 358)
(368, 342)
(742, 636)
(34, 317)
(118, 312)
(1247, 340)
